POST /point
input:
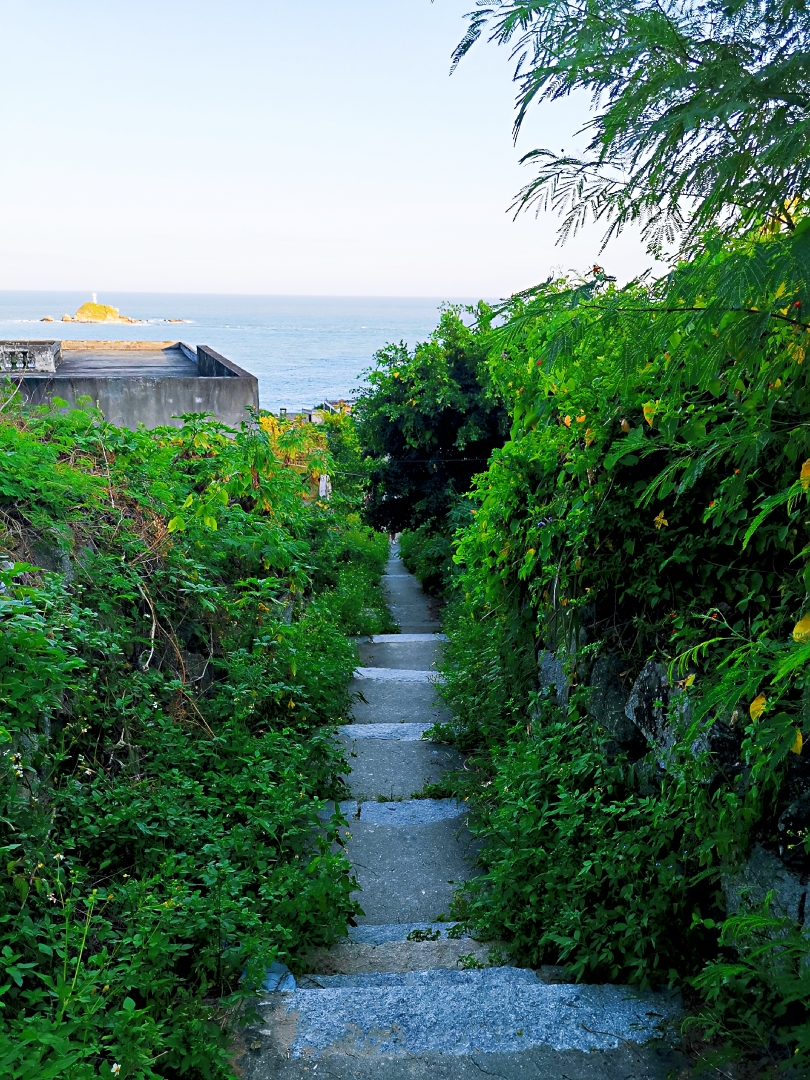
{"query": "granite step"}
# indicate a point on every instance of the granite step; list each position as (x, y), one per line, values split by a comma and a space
(502, 1010)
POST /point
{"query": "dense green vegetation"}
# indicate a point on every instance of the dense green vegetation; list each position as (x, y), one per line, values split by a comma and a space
(645, 524)
(175, 606)
(430, 423)
(650, 503)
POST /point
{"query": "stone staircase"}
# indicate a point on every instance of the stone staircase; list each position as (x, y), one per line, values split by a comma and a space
(406, 996)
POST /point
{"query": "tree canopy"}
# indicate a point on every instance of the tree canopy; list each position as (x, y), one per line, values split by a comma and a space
(701, 109)
(428, 422)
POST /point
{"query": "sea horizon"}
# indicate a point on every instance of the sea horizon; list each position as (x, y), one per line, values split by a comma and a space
(304, 349)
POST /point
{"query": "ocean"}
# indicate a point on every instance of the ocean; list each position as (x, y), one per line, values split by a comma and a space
(303, 349)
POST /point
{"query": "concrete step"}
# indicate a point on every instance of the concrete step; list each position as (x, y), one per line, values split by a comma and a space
(385, 702)
(499, 979)
(398, 639)
(407, 870)
(411, 811)
(392, 767)
(400, 812)
(380, 933)
(352, 958)
(401, 999)
(409, 606)
(257, 1060)
(459, 1013)
(423, 654)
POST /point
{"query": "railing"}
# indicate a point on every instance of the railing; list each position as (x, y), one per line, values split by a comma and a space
(24, 356)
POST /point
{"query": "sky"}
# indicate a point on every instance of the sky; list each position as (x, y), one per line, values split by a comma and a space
(267, 147)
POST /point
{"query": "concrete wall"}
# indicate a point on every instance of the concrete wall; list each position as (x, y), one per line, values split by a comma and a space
(214, 365)
(152, 402)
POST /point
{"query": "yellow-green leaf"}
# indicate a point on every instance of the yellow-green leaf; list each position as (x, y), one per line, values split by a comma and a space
(757, 706)
(801, 631)
(176, 524)
(188, 502)
(797, 743)
(804, 475)
(211, 522)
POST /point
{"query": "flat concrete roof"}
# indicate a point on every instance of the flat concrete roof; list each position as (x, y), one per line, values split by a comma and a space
(125, 360)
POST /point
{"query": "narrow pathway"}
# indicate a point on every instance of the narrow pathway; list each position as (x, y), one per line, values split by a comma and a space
(404, 997)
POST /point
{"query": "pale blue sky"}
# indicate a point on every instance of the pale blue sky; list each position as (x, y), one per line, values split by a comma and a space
(256, 146)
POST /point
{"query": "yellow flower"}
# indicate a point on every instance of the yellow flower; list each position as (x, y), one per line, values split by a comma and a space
(797, 743)
(567, 421)
(660, 521)
(801, 631)
(804, 475)
(757, 706)
(581, 418)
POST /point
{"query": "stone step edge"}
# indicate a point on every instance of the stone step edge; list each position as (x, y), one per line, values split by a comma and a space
(402, 732)
(384, 933)
(398, 813)
(398, 674)
(399, 639)
(394, 961)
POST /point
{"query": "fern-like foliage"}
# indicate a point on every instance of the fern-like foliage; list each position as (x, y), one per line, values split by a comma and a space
(701, 110)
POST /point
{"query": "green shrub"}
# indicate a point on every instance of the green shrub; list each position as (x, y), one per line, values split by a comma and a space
(168, 682)
(428, 422)
(650, 503)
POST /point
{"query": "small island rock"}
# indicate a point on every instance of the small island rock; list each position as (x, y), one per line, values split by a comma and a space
(100, 313)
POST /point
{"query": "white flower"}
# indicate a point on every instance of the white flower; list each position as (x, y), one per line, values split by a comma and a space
(116, 1069)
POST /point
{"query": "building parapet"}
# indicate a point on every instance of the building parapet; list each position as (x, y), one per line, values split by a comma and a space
(152, 383)
(21, 356)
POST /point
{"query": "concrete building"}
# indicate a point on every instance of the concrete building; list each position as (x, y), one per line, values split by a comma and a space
(132, 382)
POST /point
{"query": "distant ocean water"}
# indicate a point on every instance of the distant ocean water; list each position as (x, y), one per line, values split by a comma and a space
(303, 349)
